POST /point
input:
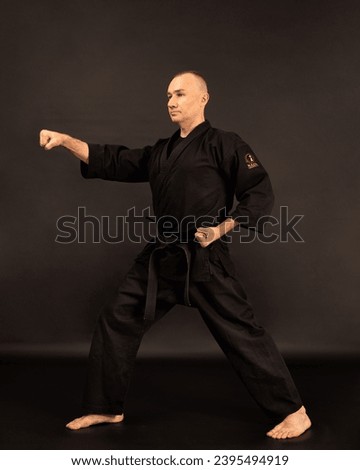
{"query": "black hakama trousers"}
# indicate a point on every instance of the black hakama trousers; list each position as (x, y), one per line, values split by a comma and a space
(229, 316)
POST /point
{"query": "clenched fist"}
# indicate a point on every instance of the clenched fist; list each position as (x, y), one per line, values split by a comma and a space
(206, 235)
(51, 139)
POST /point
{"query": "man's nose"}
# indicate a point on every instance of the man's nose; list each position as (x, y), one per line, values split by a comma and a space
(172, 103)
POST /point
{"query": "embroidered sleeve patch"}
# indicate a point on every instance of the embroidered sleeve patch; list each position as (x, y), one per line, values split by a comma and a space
(250, 161)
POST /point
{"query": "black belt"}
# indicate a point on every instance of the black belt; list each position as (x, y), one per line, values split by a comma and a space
(152, 286)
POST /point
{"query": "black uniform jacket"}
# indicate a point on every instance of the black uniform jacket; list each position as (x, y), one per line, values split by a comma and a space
(192, 186)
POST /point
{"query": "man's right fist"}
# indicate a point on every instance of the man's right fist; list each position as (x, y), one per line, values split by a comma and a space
(51, 139)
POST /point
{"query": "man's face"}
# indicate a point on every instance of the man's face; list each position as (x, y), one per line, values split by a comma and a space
(186, 99)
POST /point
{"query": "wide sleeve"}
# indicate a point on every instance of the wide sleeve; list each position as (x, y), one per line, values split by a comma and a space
(252, 187)
(117, 163)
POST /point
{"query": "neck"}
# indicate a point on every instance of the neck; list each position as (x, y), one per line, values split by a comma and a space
(187, 127)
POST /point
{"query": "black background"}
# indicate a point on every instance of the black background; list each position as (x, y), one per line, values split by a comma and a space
(282, 74)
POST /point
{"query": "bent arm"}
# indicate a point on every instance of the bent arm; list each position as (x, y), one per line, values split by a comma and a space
(51, 139)
(254, 195)
(207, 235)
(253, 190)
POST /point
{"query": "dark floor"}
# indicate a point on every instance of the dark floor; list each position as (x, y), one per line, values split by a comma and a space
(174, 404)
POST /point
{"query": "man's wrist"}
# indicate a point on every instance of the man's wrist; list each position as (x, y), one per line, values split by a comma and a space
(225, 226)
(65, 140)
(219, 231)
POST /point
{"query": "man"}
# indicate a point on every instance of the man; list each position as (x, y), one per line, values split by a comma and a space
(194, 176)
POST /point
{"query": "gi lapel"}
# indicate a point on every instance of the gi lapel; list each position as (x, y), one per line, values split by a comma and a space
(160, 181)
(168, 162)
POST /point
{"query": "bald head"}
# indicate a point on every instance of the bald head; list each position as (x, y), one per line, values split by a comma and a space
(188, 95)
(197, 77)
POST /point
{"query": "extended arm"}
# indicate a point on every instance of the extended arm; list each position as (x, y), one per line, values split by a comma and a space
(51, 139)
(109, 162)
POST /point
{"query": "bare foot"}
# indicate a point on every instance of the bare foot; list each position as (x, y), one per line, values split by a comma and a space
(90, 420)
(293, 425)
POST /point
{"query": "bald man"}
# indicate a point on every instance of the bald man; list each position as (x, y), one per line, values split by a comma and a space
(194, 177)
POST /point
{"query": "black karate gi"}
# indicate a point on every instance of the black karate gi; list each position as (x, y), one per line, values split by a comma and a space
(197, 179)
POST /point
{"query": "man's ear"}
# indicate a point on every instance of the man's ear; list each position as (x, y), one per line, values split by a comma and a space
(205, 98)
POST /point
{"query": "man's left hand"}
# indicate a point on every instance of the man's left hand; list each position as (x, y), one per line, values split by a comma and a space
(206, 235)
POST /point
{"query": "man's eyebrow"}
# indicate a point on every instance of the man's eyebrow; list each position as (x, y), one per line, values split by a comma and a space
(176, 91)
